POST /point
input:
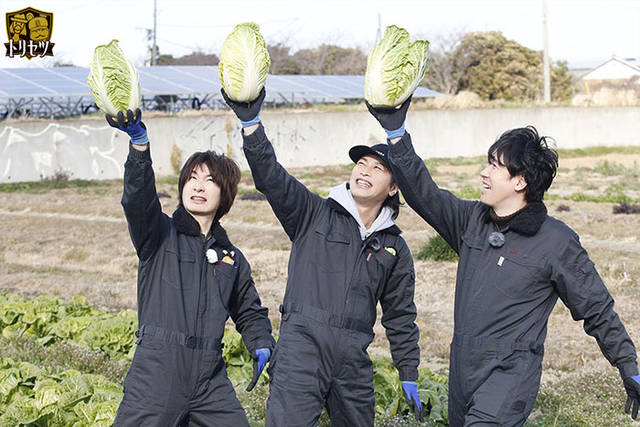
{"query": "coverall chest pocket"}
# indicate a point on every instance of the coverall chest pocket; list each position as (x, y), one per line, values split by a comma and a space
(178, 269)
(514, 276)
(225, 278)
(329, 250)
(470, 254)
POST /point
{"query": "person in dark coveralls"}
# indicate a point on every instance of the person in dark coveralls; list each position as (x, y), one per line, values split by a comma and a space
(515, 262)
(190, 280)
(347, 254)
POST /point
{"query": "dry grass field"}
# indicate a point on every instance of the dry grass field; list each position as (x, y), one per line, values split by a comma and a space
(73, 240)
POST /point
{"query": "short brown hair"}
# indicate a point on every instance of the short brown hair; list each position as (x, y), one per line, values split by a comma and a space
(224, 171)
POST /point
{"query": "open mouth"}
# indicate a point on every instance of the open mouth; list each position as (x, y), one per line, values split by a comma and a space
(198, 199)
(363, 183)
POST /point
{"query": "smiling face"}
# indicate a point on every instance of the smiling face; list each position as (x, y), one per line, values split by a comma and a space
(200, 194)
(370, 181)
(501, 191)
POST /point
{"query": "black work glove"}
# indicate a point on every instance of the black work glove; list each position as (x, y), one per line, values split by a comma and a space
(632, 385)
(391, 119)
(132, 125)
(247, 112)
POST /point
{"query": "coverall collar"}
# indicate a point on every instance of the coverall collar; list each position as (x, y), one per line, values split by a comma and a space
(187, 224)
(342, 195)
(527, 221)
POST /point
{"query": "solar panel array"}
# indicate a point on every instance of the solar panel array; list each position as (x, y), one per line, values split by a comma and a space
(63, 91)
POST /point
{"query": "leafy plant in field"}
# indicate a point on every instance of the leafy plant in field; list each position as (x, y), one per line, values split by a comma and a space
(389, 396)
(30, 395)
(65, 355)
(237, 358)
(113, 335)
(34, 396)
(437, 249)
(46, 319)
(591, 399)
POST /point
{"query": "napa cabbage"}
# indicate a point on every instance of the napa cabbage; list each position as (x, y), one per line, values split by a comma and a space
(113, 80)
(395, 68)
(244, 63)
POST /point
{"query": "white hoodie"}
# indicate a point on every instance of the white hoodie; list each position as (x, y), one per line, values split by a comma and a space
(342, 195)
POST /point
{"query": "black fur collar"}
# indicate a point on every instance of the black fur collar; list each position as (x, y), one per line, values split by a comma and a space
(394, 229)
(528, 221)
(187, 224)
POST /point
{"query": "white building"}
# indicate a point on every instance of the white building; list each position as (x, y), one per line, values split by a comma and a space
(613, 69)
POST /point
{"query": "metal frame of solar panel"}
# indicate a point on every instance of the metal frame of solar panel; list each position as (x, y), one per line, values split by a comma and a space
(63, 91)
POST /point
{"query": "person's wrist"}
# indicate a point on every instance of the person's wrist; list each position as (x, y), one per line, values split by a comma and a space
(254, 121)
(395, 133)
(142, 139)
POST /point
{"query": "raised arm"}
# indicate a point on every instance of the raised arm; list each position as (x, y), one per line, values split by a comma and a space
(139, 198)
(447, 214)
(291, 201)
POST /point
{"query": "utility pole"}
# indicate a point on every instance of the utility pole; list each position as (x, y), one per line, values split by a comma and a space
(545, 56)
(379, 32)
(154, 53)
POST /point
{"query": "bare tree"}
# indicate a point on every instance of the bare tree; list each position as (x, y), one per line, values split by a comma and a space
(324, 59)
(281, 60)
(446, 69)
(194, 58)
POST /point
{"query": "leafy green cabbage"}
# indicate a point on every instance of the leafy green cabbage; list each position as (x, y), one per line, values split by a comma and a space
(113, 80)
(395, 68)
(42, 397)
(244, 63)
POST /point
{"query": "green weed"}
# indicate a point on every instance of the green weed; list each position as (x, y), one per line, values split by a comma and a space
(63, 356)
(596, 151)
(436, 249)
(594, 399)
(468, 193)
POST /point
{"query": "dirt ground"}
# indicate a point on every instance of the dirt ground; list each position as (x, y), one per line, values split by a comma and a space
(75, 241)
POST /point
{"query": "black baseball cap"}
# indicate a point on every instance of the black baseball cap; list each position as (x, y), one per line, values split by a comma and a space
(379, 150)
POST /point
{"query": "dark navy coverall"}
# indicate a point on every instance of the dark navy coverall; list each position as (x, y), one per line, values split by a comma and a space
(335, 281)
(504, 296)
(178, 372)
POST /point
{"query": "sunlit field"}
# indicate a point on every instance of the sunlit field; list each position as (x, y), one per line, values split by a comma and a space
(69, 238)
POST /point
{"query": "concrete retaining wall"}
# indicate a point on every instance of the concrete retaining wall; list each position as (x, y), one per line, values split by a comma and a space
(87, 148)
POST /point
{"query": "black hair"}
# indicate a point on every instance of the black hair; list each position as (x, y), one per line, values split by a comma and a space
(526, 153)
(394, 203)
(224, 171)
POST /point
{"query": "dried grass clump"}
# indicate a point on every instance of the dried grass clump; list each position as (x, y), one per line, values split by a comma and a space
(460, 101)
(626, 208)
(607, 97)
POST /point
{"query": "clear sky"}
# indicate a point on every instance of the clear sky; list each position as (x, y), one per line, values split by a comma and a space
(580, 31)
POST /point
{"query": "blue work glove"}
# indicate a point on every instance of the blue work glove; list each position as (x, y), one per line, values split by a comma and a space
(132, 125)
(260, 359)
(391, 119)
(410, 389)
(247, 112)
(632, 385)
